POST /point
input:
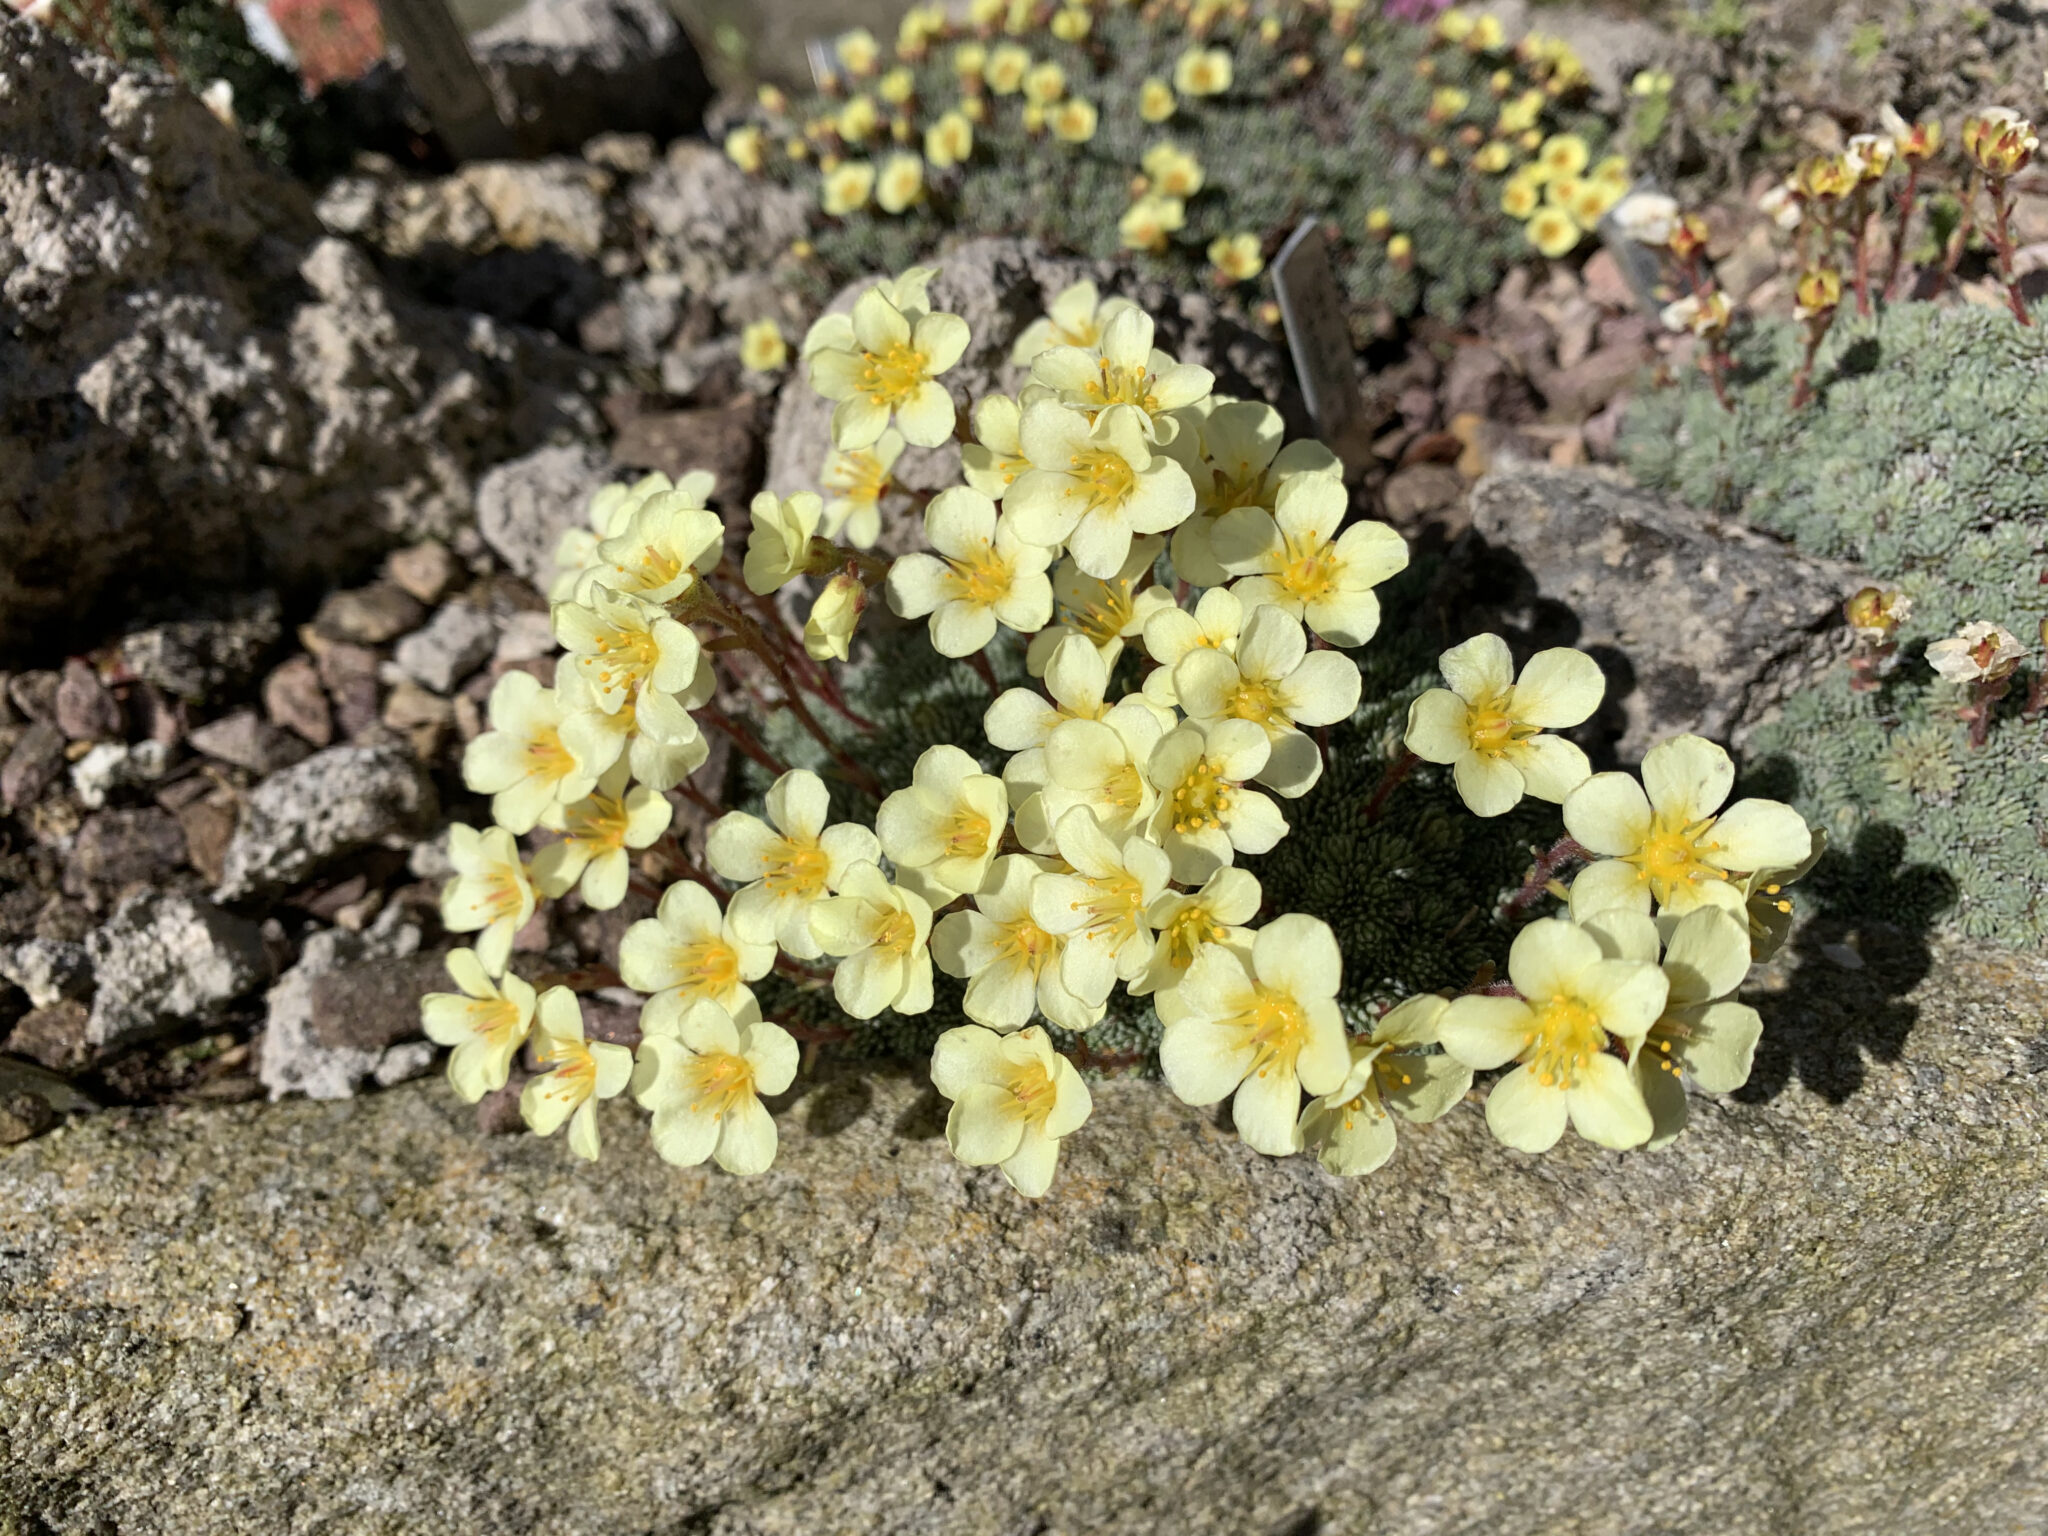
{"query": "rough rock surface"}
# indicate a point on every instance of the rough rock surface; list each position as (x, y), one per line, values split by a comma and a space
(333, 803)
(1700, 625)
(165, 959)
(999, 286)
(195, 388)
(297, 1059)
(525, 506)
(1821, 1311)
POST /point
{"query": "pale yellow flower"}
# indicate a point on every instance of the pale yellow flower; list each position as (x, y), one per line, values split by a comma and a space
(485, 1022)
(1294, 558)
(1156, 101)
(1488, 725)
(788, 864)
(762, 348)
(949, 141)
(900, 184)
(1205, 814)
(858, 51)
(1076, 678)
(993, 461)
(779, 545)
(897, 87)
(1184, 924)
(1574, 1001)
(597, 739)
(625, 651)
(1151, 221)
(1045, 83)
(1073, 121)
(1237, 257)
(847, 188)
(1276, 682)
(1171, 632)
(611, 512)
(1104, 613)
(1100, 908)
(1392, 1069)
(1124, 368)
(689, 952)
(743, 148)
(984, 572)
(1979, 652)
(1099, 764)
(1070, 23)
(521, 762)
(1563, 154)
(670, 539)
(1553, 232)
(489, 894)
(1014, 1100)
(947, 823)
(889, 373)
(1172, 171)
(1262, 1024)
(1520, 196)
(599, 834)
(1011, 965)
(828, 632)
(1202, 72)
(857, 482)
(575, 1074)
(1075, 318)
(858, 120)
(879, 932)
(1007, 65)
(704, 1080)
(1094, 486)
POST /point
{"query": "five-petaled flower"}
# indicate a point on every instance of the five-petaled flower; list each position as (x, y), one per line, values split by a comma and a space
(1014, 1098)
(788, 864)
(889, 372)
(985, 573)
(1392, 1069)
(489, 894)
(1488, 725)
(687, 952)
(1295, 559)
(703, 1075)
(879, 932)
(486, 1022)
(574, 1073)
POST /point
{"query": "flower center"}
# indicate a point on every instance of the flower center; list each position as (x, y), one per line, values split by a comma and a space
(1107, 478)
(983, 580)
(597, 823)
(500, 896)
(1256, 702)
(1187, 932)
(721, 1081)
(890, 378)
(1200, 800)
(494, 1018)
(1670, 857)
(1033, 1087)
(620, 656)
(967, 835)
(1493, 729)
(654, 568)
(1029, 943)
(710, 969)
(1562, 1041)
(1103, 620)
(796, 868)
(1125, 788)
(1113, 904)
(1123, 386)
(572, 1070)
(896, 934)
(1276, 1027)
(550, 759)
(859, 477)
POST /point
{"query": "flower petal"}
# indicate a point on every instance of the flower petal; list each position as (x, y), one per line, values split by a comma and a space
(1760, 834)
(1524, 1114)
(1687, 778)
(1483, 1032)
(1609, 814)
(1607, 1107)
(1558, 688)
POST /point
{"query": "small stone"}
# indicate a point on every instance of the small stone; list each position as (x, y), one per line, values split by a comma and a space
(54, 1036)
(164, 959)
(332, 1017)
(248, 741)
(524, 637)
(1413, 493)
(632, 154)
(115, 849)
(85, 710)
(424, 570)
(368, 1007)
(706, 374)
(48, 970)
(203, 659)
(114, 765)
(35, 694)
(524, 506)
(457, 641)
(602, 332)
(331, 804)
(294, 699)
(726, 441)
(209, 827)
(422, 718)
(371, 615)
(24, 1116)
(32, 766)
(542, 203)
(349, 673)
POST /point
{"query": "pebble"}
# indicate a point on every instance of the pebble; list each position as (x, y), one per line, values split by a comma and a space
(424, 570)
(294, 699)
(248, 741)
(32, 766)
(332, 803)
(454, 643)
(164, 959)
(114, 765)
(85, 709)
(372, 615)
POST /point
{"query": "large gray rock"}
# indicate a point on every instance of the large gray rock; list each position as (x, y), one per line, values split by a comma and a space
(165, 959)
(333, 803)
(710, 219)
(999, 286)
(1814, 1315)
(196, 389)
(572, 69)
(1700, 625)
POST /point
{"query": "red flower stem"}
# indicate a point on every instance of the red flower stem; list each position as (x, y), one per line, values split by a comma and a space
(1397, 770)
(1889, 287)
(742, 738)
(1545, 870)
(2001, 212)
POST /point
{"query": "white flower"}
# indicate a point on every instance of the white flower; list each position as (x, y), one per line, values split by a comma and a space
(670, 539)
(1186, 924)
(1648, 218)
(1573, 1002)
(597, 832)
(486, 1023)
(1275, 682)
(704, 1079)
(787, 868)
(1294, 558)
(1124, 368)
(948, 823)
(489, 894)
(521, 762)
(1076, 677)
(879, 931)
(889, 372)
(1488, 726)
(1205, 815)
(598, 740)
(984, 573)
(1261, 1024)
(624, 650)
(1100, 908)
(1240, 461)
(1013, 1097)
(611, 513)
(575, 1074)
(1172, 632)
(1675, 843)
(1105, 612)
(1011, 965)
(1391, 1069)
(779, 546)
(1094, 484)
(687, 952)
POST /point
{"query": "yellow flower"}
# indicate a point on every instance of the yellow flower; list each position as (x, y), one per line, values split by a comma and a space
(1489, 726)
(743, 148)
(1202, 72)
(1173, 172)
(1651, 82)
(1999, 140)
(897, 87)
(858, 119)
(772, 100)
(949, 141)
(704, 1079)
(779, 544)
(1262, 1024)
(1099, 764)
(520, 762)
(1613, 171)
(1045, 84)
(576, 1074)
(1378, 221)
(1294, 558)
(1574, 1003)
(1553, 232)
(1103, 611)
(947, 824)
(690, 952)
(1149, 222)
(1590, 202)
(1401, 249)
(786, 865)
(486, 1023)
(1563, 154)
(1447, 101)
(1006, 68)
(1070, 24)
(1454, 26)
(900, 184)
(858, 51)
(656, 549)
(1392, 1068)
(1171, 631)
(1186, 924)
(986, 13)
(1156, 101)
(1076, 677)
(1493, 158)
(1075, 318)
(1011, 965)
(1668, 839)
(1354, 56)
(628, 651)
(599, 832)
(1275, 682)
(1205, 816)
(919, 27)
(1093, 486)
(846, 188)
(1014, 1100)
(984, 572)
(888, 371)
(1706, 316)
(1486, 34)
(1099, 909)
(828, 632)
(1124, 368)
(1817, 292)
(858, 481)
(1073, 121)
(879, 932)
(489, 893)
(762, 348)
(969, 60)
